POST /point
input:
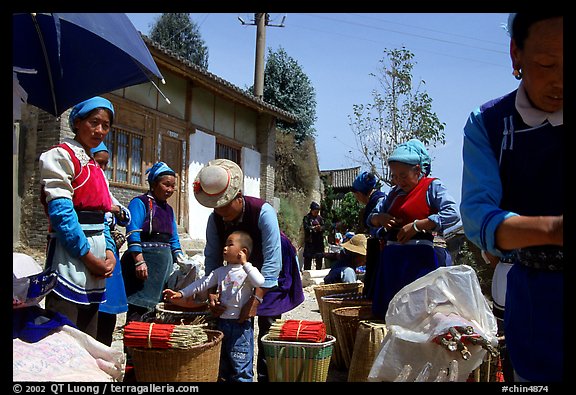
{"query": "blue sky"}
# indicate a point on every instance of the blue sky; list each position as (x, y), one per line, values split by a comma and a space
(463, 59)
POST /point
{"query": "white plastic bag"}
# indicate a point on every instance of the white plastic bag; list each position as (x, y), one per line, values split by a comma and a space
(424, 309)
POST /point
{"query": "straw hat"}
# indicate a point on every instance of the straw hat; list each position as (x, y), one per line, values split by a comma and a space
(218, 183)
(357, 244)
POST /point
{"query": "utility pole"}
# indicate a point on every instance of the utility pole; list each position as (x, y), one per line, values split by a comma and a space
(261, 20)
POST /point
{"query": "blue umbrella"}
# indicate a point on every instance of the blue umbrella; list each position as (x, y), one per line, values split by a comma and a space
(72, 57)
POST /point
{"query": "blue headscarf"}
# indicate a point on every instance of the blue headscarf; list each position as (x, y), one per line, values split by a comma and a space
(412, 152)
(159, 169)
(364, 182)
(100, 147)
(82, 109)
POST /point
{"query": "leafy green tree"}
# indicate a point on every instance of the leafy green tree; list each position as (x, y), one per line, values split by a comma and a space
(348, 212)
(286, 86)
(178, 33)
(399, 112)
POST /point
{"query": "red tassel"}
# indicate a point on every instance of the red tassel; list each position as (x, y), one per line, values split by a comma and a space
(499, 373)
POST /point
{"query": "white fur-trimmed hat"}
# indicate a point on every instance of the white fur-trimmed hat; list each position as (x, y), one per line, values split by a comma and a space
(218, 183)
(30, 284)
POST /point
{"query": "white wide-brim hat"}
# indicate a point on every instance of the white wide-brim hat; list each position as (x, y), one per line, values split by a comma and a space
(218, 183)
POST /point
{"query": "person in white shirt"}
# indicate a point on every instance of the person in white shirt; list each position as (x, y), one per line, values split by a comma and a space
(235, 282)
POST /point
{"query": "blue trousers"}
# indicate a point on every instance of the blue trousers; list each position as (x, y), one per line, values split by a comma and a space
(237, 352)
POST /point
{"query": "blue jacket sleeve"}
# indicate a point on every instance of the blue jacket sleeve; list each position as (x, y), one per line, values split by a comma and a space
(110, 243)
(175, 240)
(271, 246)
(439, 198)
(481, 187)
(137, 213)
(213, 249)
(64, 221)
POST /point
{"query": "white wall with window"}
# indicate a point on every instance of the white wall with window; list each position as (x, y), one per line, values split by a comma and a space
(202, 150)
(251, 167)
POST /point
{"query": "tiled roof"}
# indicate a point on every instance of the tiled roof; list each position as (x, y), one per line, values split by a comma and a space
(254, 101)
(340, 178)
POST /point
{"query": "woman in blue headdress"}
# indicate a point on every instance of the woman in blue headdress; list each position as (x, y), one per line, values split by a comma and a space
(153, 245)
(75, 195)
(116, 302)
(417, 206)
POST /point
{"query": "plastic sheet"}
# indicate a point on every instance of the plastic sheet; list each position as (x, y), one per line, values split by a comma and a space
(426, 308)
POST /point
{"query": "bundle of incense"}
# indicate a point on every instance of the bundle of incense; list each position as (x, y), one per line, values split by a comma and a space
(152, 335)
(298, 330)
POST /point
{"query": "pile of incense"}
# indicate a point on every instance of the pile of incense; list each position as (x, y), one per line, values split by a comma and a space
(153, 335)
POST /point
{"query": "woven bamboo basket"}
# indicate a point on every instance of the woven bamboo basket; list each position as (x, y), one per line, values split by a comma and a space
(172, 314)
(369, 337)
(331, 302)
(290, 361)
(196, 364)
(346, 320)
(332, 289)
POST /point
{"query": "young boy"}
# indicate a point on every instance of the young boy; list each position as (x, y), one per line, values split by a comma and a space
(236, 282)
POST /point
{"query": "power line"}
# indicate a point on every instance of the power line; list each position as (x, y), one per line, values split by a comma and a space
(405, 33)
(369, 16)
(382, 42)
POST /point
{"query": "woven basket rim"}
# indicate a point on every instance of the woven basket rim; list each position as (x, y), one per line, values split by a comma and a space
(328, 342)
(343, 311)
(160, 308)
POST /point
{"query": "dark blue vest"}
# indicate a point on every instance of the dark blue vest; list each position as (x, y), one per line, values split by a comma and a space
(531, 164)
(531, 159)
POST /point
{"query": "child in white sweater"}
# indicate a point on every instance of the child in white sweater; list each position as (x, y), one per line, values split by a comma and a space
(236, 282)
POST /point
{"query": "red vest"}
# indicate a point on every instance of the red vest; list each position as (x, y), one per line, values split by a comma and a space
(413, 205)
(91, 191)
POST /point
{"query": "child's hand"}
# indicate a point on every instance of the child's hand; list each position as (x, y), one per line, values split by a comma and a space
(172, 296)
(242, 258)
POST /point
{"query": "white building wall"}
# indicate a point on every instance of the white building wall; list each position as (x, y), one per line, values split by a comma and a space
(251, 167)
(202, 147)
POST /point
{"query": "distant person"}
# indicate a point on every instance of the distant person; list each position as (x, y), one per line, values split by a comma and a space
(416, 206)
(313, 225)
(236, 283)
(512, 144)
(353, 256)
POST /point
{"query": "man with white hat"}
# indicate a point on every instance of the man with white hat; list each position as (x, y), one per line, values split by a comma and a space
(219, 186)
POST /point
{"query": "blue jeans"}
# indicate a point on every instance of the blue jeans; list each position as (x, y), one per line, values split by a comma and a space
(237, 353)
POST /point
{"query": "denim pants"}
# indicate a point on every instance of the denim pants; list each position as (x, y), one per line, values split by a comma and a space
(237, 352)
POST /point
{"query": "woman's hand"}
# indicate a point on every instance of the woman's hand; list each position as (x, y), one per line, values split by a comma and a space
(141, 267)
(406, 233)
(385, 220)
(101, 268)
